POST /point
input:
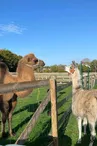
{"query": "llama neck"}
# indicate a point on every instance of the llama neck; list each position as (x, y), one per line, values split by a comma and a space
(76, 81)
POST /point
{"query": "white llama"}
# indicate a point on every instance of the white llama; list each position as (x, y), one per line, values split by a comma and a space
(84, 103)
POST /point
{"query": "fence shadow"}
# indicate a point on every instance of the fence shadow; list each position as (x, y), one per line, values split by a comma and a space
(4, 141)
(64, 139)
(29, 108)
(15, 130)
(21, 124)
(60, 94)
(86, 139)
(43, 138)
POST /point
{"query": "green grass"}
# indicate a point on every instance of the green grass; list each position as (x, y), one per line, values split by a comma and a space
(68, 132)
(24, 111)
(70, 136)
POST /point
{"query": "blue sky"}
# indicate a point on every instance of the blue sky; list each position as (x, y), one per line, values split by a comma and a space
(56, 31)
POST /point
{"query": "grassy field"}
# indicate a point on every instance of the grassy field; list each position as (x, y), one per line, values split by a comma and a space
(70, 136)
(68, 132)
(24, 111)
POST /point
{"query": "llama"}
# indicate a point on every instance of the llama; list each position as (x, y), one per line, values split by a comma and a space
(84, 102)
(8, 101)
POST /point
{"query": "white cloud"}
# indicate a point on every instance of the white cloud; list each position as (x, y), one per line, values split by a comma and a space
(10, 28)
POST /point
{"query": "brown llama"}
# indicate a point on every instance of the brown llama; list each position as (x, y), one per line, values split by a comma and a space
(25, 72)
(84, 103)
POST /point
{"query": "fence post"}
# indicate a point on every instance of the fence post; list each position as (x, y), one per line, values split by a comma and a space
(54, 117)
(88, 78)
(81, 73)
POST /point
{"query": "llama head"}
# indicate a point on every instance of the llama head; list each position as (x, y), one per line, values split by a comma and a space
(71, 68)
(31, 61)
(74, 72)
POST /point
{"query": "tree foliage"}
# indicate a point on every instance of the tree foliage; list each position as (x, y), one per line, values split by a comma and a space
(10, 59)
(54, 68)
(94, 65)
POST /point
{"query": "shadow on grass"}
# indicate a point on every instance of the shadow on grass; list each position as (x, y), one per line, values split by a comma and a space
(86, 139)
(22, 123)
(48, 107)
(5, 140)
(60, 94)
(64, 139)
(60, 113)
(43, 139)
(29, 108)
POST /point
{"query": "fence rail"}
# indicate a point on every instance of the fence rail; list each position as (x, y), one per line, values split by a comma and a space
(24, 135)
(13, 87)
(51, 96)
(61, 78)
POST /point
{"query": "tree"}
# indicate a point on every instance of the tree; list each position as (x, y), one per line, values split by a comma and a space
(10, 59)
(85, 62)
(94, 65)
(54, 68)
(60, 68)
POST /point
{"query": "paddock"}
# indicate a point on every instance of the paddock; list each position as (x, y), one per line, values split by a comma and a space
(57, 100)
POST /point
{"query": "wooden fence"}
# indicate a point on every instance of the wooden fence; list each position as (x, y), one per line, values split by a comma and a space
(62, 78)
(51, 96)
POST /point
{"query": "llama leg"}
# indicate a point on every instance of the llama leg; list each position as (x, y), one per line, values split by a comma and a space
(93, 133)
(79, 119)
(85, 124)
(3, 124)
(92, 130)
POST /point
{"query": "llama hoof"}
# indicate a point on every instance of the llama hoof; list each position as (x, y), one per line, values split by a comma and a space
(92, 138)
(91, 143)
(79, 141)
(84, 133)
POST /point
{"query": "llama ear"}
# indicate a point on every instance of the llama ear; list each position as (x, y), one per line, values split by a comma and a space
(74, 64)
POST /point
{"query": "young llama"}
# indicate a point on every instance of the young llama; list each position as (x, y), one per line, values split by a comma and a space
(84, 103)
(25, 72)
